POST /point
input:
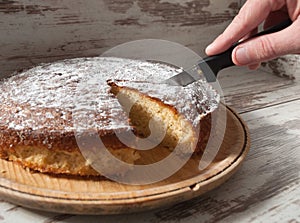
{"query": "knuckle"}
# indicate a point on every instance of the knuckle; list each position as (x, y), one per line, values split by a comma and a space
(240, 21)
(265, 49)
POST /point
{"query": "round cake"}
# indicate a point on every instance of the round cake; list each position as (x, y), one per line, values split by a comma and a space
(43, 108)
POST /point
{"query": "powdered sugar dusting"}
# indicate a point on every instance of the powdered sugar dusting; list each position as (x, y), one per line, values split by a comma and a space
(193, 101)
(48, 96)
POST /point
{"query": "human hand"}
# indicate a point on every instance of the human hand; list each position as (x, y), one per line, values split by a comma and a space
(251, 53)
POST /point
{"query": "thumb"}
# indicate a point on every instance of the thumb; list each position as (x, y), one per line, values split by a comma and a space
(269, 46)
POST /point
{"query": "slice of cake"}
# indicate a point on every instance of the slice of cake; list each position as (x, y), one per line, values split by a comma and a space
(149, 116)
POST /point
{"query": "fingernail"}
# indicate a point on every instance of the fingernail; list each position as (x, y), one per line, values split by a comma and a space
(209, 47)
(242, 56)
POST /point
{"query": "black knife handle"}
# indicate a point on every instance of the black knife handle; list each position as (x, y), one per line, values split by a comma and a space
(220, 61)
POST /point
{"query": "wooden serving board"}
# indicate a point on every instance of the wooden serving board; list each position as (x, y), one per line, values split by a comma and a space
(102, 196)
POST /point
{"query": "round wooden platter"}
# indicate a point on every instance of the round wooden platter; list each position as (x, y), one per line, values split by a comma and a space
(101, 196)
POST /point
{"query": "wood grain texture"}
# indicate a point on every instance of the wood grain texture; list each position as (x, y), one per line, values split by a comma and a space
(40, 31)
(43, 31)
(285, 66)
(247, 90)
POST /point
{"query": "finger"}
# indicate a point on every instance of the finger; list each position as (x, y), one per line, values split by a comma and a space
(293, 8)
(275, 18)
(253, 13)
(269, 46)
(253, 32)
(254, 66)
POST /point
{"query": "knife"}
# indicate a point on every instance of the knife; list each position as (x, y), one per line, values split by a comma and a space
(210, 66)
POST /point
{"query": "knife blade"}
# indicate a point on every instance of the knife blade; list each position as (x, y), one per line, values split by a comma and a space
(209, 67)
(195, 73)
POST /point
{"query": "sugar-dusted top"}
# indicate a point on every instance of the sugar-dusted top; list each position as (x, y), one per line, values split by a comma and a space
(60, 95)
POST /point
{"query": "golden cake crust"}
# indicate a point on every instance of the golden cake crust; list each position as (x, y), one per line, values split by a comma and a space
(43, 108)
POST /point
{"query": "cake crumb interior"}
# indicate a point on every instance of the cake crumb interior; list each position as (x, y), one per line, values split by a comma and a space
(146, 112)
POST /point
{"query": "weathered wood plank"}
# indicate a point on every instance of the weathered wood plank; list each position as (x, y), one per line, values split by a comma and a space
(285, 66)
(39, 31)
(250, 90)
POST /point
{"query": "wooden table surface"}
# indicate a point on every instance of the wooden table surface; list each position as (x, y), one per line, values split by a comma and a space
(267, 186)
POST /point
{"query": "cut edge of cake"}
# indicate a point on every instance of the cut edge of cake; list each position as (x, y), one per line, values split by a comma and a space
(166, 120)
